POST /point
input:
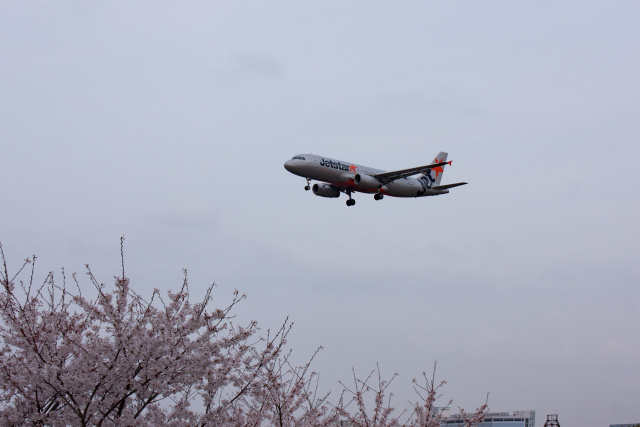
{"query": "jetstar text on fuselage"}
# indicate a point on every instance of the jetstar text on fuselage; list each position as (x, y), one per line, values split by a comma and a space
(334, 165)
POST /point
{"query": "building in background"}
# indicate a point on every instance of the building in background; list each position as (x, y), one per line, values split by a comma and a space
(494, 419)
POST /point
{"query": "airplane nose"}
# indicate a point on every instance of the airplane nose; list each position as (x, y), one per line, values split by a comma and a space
(288, 165)
(295, 166)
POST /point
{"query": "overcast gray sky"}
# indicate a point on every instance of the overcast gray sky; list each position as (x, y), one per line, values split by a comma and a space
(169, 122)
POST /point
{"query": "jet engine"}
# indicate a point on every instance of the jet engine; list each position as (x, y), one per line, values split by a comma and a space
(366, 181)
(325, 190)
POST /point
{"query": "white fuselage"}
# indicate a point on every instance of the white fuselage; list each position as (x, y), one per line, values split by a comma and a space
(341, 175)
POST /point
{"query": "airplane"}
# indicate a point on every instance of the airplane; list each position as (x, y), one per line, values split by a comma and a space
(343, 177)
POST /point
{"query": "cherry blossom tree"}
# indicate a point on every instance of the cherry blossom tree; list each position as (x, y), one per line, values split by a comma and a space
(424, 412)
(357, 396)
(120, 359)
(117, 358)
(427, 414)
(287, 395)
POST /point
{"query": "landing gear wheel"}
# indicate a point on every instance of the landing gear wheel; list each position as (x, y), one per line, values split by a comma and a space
(307, 187)
(351, 202)
(378, 196)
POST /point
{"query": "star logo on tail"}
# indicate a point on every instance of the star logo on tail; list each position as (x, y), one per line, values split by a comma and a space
(439, 168)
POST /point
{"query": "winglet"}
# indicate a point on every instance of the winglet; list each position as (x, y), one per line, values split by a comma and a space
(450, 161)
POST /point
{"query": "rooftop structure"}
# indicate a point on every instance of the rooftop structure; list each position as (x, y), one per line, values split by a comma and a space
(552, 421)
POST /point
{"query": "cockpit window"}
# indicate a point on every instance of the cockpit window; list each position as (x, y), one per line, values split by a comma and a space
(298, 157)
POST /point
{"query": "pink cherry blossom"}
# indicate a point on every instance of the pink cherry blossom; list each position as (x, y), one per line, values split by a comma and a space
(118, 358)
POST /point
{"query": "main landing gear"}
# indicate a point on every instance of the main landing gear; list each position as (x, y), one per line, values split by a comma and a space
(378, 196)
(350, 202)
(308, 186)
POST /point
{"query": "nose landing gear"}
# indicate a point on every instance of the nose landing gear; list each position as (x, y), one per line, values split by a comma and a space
(378, 196)
(308, 186)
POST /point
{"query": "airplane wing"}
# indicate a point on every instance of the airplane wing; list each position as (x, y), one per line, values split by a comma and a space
(387, 177)
(444, 187)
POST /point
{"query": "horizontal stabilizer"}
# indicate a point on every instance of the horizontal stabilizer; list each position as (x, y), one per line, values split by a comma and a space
(444, 187)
